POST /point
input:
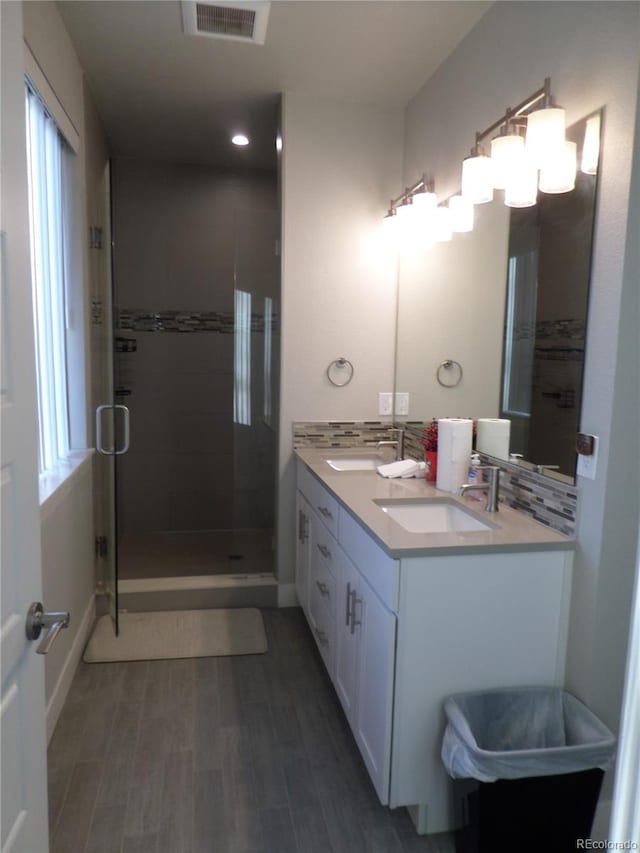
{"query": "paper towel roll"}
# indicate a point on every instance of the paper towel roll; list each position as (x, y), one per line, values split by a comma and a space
(455, 437)
(493, 437)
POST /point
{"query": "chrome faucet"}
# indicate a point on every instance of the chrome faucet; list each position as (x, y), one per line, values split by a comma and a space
(490, 486)
(540, 469)
(397, 443)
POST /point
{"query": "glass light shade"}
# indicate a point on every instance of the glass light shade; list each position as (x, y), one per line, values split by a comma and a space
(443, 222)
(522, 188)
(545, 134)
(591, 146)
(477, 179)
(559, 175)
(461, 214)
(425, 203)
(506, 154)
(240, 139)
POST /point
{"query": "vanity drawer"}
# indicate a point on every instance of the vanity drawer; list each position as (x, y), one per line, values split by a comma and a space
(324, 545)
(323, 582)
(325, 505)
(323, 628)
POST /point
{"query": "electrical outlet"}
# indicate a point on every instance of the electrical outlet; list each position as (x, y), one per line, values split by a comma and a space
(402, 403)
(385, 403)
(587, 464)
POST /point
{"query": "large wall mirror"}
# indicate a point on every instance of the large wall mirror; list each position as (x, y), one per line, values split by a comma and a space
(492, 324)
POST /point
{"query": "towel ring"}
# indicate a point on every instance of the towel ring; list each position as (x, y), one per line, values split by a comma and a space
(447, 365)
(334, 374)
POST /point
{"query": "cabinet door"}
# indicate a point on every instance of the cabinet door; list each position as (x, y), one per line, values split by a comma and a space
(346, 672)
(376, 627)
(303, 551)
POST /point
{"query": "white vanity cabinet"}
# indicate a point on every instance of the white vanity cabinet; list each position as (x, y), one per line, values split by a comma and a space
(400, 635)
(364, 669)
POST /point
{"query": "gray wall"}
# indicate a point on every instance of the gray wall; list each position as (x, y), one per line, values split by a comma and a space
(185, 237)
(590, 51)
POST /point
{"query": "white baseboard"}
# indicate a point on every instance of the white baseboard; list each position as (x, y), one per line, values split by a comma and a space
(60, 691)
(287, 595)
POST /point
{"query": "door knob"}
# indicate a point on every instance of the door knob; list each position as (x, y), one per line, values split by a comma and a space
(37, 619)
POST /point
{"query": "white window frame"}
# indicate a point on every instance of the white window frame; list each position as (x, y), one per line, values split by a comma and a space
(76, 367)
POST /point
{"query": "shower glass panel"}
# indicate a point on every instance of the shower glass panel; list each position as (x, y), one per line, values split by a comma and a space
(197, 282)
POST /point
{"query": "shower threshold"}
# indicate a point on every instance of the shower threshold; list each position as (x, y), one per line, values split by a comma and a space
(198, 591)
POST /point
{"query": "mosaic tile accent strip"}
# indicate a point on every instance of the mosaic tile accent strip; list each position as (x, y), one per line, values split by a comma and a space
(548, 501)
(319, 434)
(129, 320)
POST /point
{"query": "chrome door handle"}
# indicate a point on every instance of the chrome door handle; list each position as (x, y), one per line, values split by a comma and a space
(324, 589)
(348, 600)
(111, 451)
(37, 619)
(127, 431)
(99, 410)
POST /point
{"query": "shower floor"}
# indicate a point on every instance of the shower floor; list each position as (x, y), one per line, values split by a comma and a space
(178, 553)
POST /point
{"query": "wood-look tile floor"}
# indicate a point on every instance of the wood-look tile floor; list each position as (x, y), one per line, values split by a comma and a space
(217, 755)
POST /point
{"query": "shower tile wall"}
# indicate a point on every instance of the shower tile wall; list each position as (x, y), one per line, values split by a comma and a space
(185, 237)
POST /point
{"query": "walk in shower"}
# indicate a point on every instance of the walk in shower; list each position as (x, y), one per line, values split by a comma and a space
(196, 350)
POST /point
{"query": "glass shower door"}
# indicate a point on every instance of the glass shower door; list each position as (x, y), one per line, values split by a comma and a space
(106, 433)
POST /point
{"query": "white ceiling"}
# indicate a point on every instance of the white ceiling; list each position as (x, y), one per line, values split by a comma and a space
(165, 95)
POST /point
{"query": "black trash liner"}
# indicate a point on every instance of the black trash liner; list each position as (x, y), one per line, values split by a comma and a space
(539, 755)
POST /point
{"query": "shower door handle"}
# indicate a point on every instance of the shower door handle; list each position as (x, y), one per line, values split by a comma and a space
(111, 451)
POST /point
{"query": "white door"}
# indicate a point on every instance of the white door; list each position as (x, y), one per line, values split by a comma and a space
(346, 636)
(24, 767)
(374, 707)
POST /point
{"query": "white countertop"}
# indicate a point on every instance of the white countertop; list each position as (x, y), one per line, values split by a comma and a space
(357, 490)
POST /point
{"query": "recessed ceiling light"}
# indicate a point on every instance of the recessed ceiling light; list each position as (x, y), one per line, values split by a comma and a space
(240, 139)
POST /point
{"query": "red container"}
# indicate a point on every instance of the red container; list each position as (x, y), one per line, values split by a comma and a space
(431, 458)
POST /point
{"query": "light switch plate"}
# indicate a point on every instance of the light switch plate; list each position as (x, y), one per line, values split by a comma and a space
(587, 464)
(402, 403)
(385, 403)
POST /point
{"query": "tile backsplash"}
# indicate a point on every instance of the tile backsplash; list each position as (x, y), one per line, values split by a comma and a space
(549, 501)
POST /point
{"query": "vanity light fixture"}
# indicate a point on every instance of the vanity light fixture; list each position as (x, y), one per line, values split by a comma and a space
(591, 147)
(507, 151)
(477, 177)
(558, 175)
(462, 214)
(443, 231)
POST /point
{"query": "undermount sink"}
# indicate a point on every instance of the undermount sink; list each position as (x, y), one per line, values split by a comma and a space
(432, 516)
(354, 463)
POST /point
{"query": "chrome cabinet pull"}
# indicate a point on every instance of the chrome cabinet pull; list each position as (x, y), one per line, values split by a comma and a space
(326, 553)
(302, 527)
(324, 511)
(324, 589)
(348, 600)
(322, 637)
(354, 600)
(37, 619)
(127, 432)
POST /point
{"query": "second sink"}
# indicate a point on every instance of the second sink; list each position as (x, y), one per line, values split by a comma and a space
(432, 516)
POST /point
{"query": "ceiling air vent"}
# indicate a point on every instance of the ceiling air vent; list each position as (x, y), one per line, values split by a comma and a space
(236, 21)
